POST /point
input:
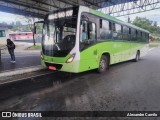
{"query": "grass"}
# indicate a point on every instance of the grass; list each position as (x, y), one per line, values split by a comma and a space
(36, 47)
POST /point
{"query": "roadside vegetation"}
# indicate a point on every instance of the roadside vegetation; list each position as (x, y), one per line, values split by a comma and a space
(36, 47)
(149, 25)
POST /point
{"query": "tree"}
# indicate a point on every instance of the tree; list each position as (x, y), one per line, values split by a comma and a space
(143, 23)
(12, 24)
(146, 24)
(4, 23)
(30, 21)
(18, 23)
(16, 26)
(155, 24)
(30, 25)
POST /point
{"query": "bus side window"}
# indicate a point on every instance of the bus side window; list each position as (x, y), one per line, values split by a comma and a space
(105, 32)
(87, 34)
(114, 33)
(92, 31)
(125, 33)
(117, 35)
(147, 37)
(84, 31)
(133, 34)
(110, 26)
(88, 31)
(113, 27)
(136, 35)
(129, 35)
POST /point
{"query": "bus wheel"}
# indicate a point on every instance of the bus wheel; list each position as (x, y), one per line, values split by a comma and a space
(103, 64)
(137, 57)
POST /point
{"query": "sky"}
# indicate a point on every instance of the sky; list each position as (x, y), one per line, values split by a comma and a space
(153, 15)
(9, 18)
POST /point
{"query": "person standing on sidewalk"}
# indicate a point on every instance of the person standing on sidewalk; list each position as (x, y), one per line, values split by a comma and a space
(11, 47)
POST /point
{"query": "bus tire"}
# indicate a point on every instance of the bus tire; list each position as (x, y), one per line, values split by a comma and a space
(137, 57)
(103, 64)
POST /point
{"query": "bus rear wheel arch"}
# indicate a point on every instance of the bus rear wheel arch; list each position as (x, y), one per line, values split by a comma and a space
(103, 63)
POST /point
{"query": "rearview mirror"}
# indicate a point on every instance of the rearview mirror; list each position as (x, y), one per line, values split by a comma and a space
(36, 24)
(34, 30)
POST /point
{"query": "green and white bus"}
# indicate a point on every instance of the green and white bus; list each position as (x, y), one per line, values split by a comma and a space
(79, 39)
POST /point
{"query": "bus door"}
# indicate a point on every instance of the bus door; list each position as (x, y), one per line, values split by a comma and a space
(88, 49)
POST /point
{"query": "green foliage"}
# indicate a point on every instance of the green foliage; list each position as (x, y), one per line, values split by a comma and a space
(39, 28)
(147, 25)
(17, 26)
(158, 39)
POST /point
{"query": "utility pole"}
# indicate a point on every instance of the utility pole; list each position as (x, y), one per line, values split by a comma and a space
(129, 20)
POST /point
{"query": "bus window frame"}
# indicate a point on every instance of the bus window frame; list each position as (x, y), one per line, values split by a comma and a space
(111, 32)
(98, 27)
(80, 31)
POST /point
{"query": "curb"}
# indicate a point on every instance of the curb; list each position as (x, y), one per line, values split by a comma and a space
(9, 73)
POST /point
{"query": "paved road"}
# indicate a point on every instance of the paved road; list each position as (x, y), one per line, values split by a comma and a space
(127, 86)
(22, 60)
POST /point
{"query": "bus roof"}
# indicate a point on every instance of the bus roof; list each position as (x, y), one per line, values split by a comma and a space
(100, 14)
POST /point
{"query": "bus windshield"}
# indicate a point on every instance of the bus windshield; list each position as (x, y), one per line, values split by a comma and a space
(59, 36)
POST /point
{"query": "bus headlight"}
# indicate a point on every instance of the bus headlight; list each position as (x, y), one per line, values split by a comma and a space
(71, 58)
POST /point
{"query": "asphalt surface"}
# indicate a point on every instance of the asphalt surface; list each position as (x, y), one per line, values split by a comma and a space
(127, 86)
(22, 60)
